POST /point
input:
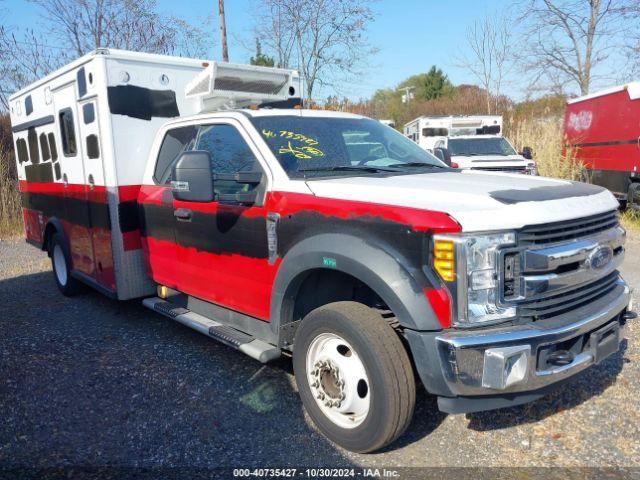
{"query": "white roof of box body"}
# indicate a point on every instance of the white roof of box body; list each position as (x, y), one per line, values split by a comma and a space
(632, 88)
(116, 55)
(460, 125)
(453, 121)
(227, 85)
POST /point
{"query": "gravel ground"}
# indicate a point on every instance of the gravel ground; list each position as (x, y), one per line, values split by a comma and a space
(94, 382)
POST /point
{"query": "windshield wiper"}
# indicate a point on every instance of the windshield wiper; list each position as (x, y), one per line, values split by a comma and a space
(416, 164)
(349, 168)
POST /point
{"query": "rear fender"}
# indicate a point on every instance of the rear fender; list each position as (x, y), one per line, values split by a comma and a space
(53, 226)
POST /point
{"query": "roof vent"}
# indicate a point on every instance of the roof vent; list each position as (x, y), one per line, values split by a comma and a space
(225, 85)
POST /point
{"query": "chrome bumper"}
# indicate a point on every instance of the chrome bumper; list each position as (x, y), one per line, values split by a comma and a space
(506, 360)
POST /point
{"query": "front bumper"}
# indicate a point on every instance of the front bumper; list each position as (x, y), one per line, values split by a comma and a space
(509, 365)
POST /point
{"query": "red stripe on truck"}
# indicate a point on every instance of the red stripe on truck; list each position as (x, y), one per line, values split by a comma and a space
(221, 279)
(441, 305)
(286, 203)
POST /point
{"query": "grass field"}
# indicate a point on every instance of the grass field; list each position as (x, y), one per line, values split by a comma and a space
(10, 211)
(631, 220)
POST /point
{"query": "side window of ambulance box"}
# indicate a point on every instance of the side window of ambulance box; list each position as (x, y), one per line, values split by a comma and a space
(67, 133)
(28, 105)
(175, 142)
(32, 139)
(93, 149)
(88, 113)
(23, 153)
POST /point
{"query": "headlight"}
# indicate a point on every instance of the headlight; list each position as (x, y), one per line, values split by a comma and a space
(531, 169)
(475, 287)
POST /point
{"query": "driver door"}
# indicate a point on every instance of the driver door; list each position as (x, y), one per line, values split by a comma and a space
(223, 254)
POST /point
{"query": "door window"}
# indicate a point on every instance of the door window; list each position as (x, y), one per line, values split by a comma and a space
(175, 142)
(229, 154)
(93, 150)
(68, 133)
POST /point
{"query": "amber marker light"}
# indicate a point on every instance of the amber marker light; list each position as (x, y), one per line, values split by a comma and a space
(443, 259)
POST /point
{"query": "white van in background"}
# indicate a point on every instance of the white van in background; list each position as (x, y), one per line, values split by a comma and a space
(470, 142)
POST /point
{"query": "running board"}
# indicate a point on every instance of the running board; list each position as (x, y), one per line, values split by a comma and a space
(247, 344)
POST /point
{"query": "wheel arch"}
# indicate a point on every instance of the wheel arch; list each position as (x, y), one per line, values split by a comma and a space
(387, 277)
(53, 226)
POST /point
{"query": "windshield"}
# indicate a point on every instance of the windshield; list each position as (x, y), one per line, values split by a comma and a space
(480, 146)
(320, 146)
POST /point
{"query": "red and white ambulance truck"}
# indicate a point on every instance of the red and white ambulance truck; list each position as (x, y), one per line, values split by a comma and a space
(603, 129)
(324, 236)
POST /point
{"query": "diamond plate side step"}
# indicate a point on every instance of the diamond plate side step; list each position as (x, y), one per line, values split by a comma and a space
(247, 344)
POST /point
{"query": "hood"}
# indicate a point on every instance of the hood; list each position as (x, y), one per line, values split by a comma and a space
(491, 160)
(479, 201)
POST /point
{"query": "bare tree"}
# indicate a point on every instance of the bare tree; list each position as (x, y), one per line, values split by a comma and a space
(223, 31)
(75, 27)
(323, 39)
(272, 30)
(23, 59)
(84, 25)
(570, 39)
(490, 57)
(632, 57)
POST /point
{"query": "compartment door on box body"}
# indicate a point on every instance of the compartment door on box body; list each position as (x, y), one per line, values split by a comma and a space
(92, 161)
(76, 218)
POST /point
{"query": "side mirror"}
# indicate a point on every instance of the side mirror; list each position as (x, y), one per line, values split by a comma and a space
(443, 154)
(192, 177)
(527, 153)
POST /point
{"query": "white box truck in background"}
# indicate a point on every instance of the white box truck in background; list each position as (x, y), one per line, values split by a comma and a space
(470, 142)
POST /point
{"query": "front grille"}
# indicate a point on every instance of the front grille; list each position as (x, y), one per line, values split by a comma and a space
(568, 230)
(550, 306)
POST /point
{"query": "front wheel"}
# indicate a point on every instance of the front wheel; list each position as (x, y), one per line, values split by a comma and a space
(354, 376)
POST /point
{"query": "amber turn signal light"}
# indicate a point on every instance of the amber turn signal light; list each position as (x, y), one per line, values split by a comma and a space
(443, 259)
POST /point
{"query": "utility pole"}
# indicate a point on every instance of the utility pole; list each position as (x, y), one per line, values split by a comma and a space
(223, 31)
(408, 94)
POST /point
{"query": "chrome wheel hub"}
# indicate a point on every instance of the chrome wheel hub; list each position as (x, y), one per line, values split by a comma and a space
(338, 380)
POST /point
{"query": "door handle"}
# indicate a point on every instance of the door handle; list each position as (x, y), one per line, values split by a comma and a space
(183, 214)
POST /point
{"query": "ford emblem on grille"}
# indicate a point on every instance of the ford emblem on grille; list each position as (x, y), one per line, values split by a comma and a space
(600, 257)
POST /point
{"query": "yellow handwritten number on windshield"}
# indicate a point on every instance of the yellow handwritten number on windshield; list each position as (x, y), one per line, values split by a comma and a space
(303, 153)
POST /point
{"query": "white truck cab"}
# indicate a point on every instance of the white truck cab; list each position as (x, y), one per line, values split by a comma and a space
(470, 142)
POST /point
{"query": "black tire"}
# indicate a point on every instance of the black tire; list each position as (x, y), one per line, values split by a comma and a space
(68, 285)
(387, 366)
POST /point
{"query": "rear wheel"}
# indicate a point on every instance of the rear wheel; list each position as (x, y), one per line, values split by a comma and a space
(61, 264)
(354, 376)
